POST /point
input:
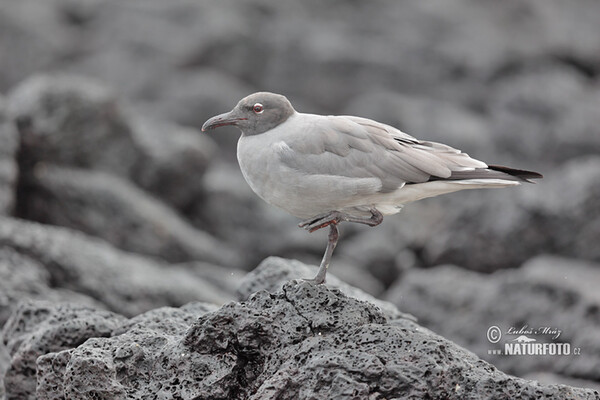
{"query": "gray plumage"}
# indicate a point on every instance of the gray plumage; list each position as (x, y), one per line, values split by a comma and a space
(312, 165)
(309, 164)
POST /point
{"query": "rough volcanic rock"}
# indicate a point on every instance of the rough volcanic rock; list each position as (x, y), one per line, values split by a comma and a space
(8, 161)
(301, 342)
(549, 378)
(273, 272)
(22, 277)
(112, 208)
(124, 282)
(448, 48)
(131, 351)
(545, 292)
(38, 328)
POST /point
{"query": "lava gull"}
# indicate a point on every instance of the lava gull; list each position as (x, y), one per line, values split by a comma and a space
(328, 169)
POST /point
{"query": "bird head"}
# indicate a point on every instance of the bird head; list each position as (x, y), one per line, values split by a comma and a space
(254, 114)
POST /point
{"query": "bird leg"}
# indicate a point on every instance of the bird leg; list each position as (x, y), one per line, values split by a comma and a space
(335, 217)
(331, 219)
(331, 243)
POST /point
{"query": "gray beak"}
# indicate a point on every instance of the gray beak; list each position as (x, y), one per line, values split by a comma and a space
(217, 121)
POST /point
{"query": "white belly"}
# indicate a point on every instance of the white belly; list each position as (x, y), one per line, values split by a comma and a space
(302, 195)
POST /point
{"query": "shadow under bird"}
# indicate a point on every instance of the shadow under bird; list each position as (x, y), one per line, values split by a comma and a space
(329, 169)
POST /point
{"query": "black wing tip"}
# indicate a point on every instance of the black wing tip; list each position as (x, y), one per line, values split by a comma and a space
(519, 173)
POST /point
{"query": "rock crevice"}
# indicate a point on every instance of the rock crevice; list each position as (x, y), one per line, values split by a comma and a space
(301, 342)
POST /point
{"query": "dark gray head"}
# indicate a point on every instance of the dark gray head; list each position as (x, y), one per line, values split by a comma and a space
(254, 114)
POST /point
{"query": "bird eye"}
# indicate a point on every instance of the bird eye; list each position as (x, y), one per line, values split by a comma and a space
(258, 108)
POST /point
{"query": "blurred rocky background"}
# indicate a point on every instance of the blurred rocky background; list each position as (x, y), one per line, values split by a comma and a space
(111, 198)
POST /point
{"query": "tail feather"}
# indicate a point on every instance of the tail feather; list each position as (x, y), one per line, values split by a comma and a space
(519, 173)
(492, 172)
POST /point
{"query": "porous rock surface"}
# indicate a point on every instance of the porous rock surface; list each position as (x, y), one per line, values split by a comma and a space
(24, 277)
(37, 328)
(547, 291)
(302, 342)
(272, 273)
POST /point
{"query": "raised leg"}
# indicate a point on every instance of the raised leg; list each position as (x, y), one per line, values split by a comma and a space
(335, 217)
(331, 219)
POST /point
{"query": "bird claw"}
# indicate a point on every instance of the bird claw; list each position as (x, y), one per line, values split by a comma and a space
(313, 281)
(335, 217)
(321, 221)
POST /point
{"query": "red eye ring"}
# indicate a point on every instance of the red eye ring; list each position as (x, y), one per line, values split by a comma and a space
(258, 108)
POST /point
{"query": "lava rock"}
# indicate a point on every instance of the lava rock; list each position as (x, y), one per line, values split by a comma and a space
(547, 291)
(273, 272)
(22, 277)
(124, 282)
(38, 328)
(302, 342)
(549, 378)
(133, 346)
(8, 161)
(111, 208)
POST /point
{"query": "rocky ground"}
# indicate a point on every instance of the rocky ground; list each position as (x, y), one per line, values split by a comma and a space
(131, 249)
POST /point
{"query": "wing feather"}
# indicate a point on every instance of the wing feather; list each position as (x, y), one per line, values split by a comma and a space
(356, 147)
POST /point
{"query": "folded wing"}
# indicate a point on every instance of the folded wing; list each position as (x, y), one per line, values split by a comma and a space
(356, 147)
